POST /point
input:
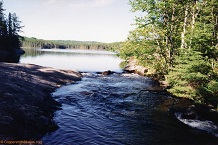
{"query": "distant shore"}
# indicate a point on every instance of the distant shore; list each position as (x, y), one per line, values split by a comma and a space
(25, 99)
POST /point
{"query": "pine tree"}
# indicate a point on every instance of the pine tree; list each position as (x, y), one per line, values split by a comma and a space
(9, 36)
(3, 27)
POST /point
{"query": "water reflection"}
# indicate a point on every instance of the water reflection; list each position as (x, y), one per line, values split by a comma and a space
(77, 51)
(30, 52)
(80, 60)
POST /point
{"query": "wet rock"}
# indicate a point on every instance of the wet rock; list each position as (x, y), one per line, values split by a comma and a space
(205, 112)
(164, 83)
(109, 72)
(190, 110)
(130, 69)
(190, 113)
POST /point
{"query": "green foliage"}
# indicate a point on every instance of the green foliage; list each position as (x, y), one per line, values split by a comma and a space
(213, 87)
(201, 68)
(179, 40)
(182, 91)
(69, 44)
(115, 46)
(197, 79)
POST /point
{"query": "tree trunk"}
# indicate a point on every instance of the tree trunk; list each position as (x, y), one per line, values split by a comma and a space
(194, 15)
(183, 44)
(170, 37)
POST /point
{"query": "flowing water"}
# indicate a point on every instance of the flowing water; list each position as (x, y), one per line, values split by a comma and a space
(119, 109)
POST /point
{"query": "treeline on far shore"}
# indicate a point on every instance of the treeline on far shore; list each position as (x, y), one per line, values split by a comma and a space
(69, 44)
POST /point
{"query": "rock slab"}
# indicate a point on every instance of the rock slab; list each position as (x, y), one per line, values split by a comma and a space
(25, 99)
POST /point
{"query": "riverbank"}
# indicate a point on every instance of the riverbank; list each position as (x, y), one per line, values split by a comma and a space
(187, 107)
(133, 67)
(25, 100)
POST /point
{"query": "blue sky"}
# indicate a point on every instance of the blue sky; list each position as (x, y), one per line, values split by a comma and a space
(85, 20)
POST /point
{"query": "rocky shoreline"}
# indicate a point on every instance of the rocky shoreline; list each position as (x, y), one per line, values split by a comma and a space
(27, 107)
(188, 108)
(133, 67)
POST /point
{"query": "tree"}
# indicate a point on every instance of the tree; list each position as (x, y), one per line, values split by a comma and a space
(9, 36)
(159, 30)
(179, 40)
(2, 19)
(3, 27)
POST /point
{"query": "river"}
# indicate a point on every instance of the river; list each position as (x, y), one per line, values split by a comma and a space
(118, 109)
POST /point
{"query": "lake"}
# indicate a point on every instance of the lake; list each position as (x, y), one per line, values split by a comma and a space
(79, 60)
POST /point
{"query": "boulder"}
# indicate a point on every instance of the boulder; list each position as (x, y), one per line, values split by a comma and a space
(109, 72)
(133, 67)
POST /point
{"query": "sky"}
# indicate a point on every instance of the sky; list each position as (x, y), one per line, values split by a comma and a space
(83, 20)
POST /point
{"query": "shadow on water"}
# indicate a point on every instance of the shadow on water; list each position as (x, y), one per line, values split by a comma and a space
(119, 109)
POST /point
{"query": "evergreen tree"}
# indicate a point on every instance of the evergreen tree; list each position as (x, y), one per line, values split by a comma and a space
(3, 27)
(9, 36)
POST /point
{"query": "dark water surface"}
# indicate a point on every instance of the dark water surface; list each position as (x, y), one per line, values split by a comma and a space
(117, 109)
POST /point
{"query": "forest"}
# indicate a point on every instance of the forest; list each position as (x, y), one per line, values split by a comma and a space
(68, 44)
(9, 36)
(178, 42)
